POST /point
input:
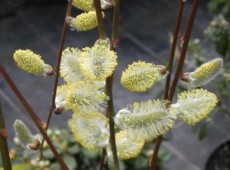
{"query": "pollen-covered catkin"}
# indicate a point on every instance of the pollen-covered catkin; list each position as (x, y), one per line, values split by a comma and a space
(194, 105)
(85, 21)
(98, 62)
(139, 76)
(127, 147)
(70, 65)
(145, 120)
(91, 130)
(206, 72)
(85, 5)
(85, 96)
(28, 61)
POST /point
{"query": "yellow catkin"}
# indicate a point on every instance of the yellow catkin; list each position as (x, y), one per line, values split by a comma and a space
(139, 76)
(127, 147)
(194, 105)
(90, 130)
(30, 62)
(85, 96)
(70, 65)
(145, 120)
(85, 5)
(22, 132)
(98, 62)
(85, 21)
(206, 72)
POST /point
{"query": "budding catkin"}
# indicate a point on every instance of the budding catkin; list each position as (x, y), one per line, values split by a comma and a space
(194, 105)
(85, 21)
(30, 62)
(206, 72)
(139, 76)
(22, 132)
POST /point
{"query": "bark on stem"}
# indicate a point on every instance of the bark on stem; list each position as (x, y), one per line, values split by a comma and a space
(101, 26)
(3, 145)
(38, 122)
(167, 95)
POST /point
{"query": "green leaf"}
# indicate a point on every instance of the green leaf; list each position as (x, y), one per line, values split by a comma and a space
(70, 161)
(48, 154)
(203, 132)
(73, 149)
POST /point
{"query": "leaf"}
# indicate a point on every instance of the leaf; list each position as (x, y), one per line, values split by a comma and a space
(70, 161)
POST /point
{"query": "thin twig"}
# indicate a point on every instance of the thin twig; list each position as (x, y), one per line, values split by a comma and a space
(61, 46)
(102, 159)
(101, 26)
(3, 145)
(109, 85)
(187, 35)
(169, 96)
(109, 80)
(173, 47)
(34, 116)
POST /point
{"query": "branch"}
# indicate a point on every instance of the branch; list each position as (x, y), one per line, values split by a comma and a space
(61, 46)
(101, 26)
(167, 95)
(3, 144)
(34, 116)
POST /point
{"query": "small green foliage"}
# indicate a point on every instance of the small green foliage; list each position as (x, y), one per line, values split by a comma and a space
(219, 33)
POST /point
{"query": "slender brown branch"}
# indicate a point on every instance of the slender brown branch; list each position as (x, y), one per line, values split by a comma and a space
(34, 116)
(187, 35)
(3, 145)
(168, 96)
(116, 18)
(102, 159)
(110, 113)
(101, 26)
(61, 46)
(109, 80)
(109, 85)
(173, 47)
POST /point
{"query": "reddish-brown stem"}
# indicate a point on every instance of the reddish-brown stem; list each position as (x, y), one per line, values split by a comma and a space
(169, 96)
(173, 47)
(110, 113)
(101, 26)
(34, 116)
(187, 35)
(6, 163)
(109, 82)
(116, 18)
(61, 46)
(102, 159)
(109, 85)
